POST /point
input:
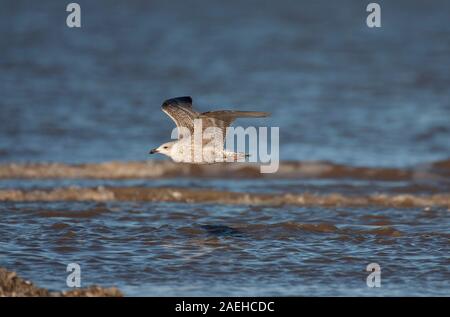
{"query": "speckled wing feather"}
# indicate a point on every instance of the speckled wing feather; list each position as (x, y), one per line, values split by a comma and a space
(224, 118)
(180, 111)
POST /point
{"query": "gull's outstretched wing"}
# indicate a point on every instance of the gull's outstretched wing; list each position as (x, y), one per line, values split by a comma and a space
(180, 111)
(224, 118)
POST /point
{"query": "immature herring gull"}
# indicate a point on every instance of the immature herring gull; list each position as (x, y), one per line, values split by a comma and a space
(201, 136)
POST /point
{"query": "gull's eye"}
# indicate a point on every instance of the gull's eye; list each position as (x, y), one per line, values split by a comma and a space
(165, 147)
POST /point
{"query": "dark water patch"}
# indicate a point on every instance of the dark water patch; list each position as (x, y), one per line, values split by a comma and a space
(376, 220)
(59, 226)
(221, 230)
(93, 212)
(442, 167)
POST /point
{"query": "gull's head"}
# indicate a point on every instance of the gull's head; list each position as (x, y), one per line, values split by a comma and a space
(165, 149)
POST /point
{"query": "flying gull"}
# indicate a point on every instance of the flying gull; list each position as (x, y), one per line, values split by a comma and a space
(201, 136)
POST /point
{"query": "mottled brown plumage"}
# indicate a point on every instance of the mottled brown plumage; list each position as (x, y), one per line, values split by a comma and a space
(187, 121)
(181, 112)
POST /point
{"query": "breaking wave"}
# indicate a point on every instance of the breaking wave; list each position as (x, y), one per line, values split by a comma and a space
(167, 169)
(184, 195)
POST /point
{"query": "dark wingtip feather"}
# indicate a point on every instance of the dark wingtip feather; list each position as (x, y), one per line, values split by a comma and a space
(185, 101)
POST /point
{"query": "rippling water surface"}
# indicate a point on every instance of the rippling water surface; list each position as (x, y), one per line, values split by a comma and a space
(168, 249)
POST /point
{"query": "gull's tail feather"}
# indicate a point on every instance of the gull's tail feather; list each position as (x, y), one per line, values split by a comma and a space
(235, 156)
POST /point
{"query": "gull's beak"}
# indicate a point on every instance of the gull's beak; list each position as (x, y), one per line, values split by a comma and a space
(153, 151)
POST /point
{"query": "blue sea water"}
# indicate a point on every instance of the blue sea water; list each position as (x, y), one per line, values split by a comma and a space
(338, 90)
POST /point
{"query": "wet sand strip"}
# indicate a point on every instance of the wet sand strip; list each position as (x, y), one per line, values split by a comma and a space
(12, 285)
